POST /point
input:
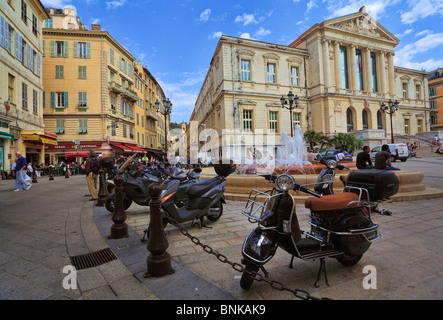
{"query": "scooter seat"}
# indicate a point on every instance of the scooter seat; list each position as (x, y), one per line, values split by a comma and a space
(332, 202)
(200, 188)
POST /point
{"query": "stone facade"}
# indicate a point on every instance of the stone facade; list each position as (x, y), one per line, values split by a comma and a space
(342, 70)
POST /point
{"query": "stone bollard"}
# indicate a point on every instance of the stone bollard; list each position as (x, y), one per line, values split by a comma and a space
(159, 261)
(51, 173)
(119, 229)
(102, 194)
(34, 174)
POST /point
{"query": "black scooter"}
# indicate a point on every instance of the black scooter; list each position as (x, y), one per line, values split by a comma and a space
(204, 199)
(341, 225)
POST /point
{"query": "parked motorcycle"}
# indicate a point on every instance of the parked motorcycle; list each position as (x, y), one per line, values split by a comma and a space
(204, 199)
(325, 180)
(341, 225)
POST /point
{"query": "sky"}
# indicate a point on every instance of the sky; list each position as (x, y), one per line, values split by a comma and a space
(176, 39)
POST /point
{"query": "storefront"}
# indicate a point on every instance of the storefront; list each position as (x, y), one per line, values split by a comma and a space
(34, 144)
(67, 151)
(5, 141)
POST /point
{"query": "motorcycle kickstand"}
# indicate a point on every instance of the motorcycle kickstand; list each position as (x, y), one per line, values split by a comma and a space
(202, 225)
(145, 235)
(320, 269)
(291, 263)
(266, 273)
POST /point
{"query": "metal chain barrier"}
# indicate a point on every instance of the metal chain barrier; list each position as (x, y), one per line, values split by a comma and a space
(299, 293)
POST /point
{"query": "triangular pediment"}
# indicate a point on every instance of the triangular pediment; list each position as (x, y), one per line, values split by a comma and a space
(361, 23)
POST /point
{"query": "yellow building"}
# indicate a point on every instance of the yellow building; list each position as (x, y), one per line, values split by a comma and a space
(21, 83)
(89, 97)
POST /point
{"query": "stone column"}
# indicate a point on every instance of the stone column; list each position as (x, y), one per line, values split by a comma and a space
(338, 84)
(382, 73)
(367, 74)
(352, 68)
(391, 74)
(326, 64)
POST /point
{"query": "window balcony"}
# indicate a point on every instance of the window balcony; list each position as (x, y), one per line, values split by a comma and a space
(129, 94)
(115, 87)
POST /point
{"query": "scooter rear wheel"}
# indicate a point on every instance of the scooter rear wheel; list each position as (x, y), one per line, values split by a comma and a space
(348, 260)
(215, 215)
(247, 280)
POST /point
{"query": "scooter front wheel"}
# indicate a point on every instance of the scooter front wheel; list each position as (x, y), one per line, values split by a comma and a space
(247, 279)
(348, 260)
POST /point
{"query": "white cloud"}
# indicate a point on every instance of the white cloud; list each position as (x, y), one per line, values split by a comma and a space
(422, 9)
(408, 55)
(204, 16)
(408, 31)
(245, 35)
(262, 32)
(310, 5)
(246, 19)
(375, 8)
(216, 35)
(115, 4)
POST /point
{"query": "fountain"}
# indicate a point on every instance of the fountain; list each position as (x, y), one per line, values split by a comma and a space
(289, 159)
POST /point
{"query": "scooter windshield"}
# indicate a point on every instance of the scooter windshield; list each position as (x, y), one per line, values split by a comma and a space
(170, 187)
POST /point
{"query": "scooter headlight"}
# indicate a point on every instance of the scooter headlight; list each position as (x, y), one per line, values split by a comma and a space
(285, 182)
(331, 164)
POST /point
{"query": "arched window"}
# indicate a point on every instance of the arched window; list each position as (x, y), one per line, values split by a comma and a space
(349, 120)
(364, 116)
(379, 120)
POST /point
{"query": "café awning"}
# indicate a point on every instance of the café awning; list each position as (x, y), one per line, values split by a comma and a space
(121, 146)
(39, 137)
(75, 154)
(135, 148)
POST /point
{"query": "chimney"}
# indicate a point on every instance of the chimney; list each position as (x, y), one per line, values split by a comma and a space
(95, 27)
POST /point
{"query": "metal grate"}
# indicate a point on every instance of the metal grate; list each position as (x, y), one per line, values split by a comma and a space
(93, 259)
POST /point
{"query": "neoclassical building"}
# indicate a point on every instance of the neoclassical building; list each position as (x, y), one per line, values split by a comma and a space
(341, 70)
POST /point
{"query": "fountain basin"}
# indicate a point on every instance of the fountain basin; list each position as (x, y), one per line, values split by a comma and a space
(411, 187)
(290, 169)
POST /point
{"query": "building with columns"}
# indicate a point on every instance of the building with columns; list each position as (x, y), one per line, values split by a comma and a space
(342, 70)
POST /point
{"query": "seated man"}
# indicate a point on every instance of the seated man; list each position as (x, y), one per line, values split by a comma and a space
(383, 159)
(363, 160)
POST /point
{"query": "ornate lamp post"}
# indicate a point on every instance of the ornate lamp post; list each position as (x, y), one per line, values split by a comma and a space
(390, 109)
(167, 110)
(290, 104)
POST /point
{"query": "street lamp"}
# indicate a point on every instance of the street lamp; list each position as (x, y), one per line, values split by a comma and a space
(167, 110)
(390, 109)
(290, 104)
(204, 125)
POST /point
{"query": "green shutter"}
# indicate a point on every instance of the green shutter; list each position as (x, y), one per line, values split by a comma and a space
(88, 50)
(75, 50)
(66, 100)
(65, 49)
(43, 48)
(52, 48)
(52, 99)
(44, 99)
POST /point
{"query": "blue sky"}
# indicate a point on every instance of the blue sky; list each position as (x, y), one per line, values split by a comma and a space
(175, 39)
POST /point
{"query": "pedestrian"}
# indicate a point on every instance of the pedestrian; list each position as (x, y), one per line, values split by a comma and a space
(383, 159)
(91, 171)
(340, 156)
(20, 173)
(363, 160)
(311, 156)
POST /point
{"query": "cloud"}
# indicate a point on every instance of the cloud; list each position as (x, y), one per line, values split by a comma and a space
(204, 16)
(310, 5)
(375, 8)
(408, 31)
(245, 35)
(55, 3)
(422, 9)
(216, 35)
(262, 32)
(246, 19)
(114, 4)
(407, 56)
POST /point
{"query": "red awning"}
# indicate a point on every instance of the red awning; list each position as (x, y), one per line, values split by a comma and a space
(122, 146)
(74, 154)
(135, 148)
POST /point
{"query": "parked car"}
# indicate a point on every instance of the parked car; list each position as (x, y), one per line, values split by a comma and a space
(399, 151)
(330, 155)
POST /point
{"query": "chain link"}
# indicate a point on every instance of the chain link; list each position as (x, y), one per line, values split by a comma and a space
(299, 293)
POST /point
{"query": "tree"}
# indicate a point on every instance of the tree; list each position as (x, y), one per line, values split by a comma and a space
(315, 138)
(346, 141)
